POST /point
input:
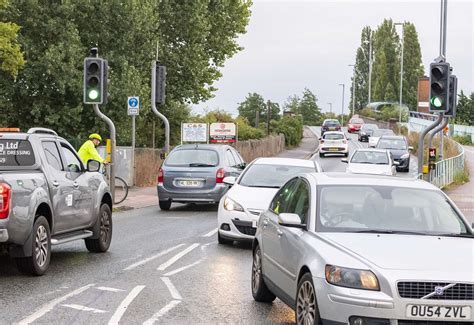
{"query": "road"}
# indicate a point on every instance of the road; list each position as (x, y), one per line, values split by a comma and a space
(162, 267)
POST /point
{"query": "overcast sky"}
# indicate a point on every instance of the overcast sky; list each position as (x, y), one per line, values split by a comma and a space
(293, 44)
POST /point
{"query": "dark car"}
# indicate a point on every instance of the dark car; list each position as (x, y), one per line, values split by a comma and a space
(194, 173)
(398, 147)
(330, 125)
(366, 131)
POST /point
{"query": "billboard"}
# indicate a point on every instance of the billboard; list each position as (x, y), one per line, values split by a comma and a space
(194, 132)
(223, 133)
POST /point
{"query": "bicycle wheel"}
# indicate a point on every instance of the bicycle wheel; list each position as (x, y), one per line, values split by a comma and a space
(121, 190)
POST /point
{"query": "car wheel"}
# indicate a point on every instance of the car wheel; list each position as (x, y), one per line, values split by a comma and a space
(223, 241)
(260, 292)
(165, 205)
(38, 263)
(307, 311)
(102, 243)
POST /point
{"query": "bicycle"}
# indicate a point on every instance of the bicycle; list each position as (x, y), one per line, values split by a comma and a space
(121, 186)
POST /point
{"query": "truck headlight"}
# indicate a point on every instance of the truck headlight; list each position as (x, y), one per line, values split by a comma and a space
(351, 278)
(231, 205)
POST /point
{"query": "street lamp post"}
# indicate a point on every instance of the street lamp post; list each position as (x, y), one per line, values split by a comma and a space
(330, 107)
(353, 89)
(401, 71)
(342, 120)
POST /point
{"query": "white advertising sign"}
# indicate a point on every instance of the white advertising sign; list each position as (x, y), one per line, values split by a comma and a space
(223, 133)
(194, 132)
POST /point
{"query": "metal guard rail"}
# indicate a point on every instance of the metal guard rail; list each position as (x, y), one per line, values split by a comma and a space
(446, 169)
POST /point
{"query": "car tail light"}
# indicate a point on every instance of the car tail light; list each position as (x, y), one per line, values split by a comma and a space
(5, 194)
(220, 176)
(161, 176)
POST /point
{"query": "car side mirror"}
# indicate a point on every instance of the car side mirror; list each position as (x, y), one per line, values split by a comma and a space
(396, 163)
(290, 220)
(344, 160)
(229, 180)
(93, 166)
(410, 148)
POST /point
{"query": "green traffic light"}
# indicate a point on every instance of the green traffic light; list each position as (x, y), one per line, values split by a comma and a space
(93, 94)
(436, 102)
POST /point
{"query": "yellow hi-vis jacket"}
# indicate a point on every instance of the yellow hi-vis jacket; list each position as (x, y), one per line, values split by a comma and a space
(88, 152)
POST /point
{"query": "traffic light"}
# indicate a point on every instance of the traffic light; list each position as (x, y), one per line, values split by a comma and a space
(160, 84)
(95, 81)
(453, 96)
(439, 86)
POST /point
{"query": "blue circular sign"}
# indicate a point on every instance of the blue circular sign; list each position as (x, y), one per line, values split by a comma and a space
(133, 102)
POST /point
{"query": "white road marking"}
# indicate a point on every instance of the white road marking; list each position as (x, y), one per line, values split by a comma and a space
(151, 258)
(124, 305)
(210, 233)
(173, 260)
(50, 305)
(84, 308)
(162, 312)
(109, 289)
(183, 268)
(172, 289)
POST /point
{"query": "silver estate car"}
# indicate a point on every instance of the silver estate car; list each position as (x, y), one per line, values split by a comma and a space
(194, 173)
(365, 250)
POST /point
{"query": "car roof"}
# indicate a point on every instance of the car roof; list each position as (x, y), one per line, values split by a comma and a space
(334, 132)
(285, 162)
(372, 150)
(201, 146)
(393, 137)
(340, 178)
(330, 120)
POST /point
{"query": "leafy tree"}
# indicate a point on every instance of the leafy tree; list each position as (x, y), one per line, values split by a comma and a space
(252, 105)
(381, 79)
(465, 109)
(306, 106)
(11, 57)
(292, 104)
(274, 111)
(361, 70)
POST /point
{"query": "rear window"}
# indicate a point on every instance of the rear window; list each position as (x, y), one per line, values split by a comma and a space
(15, 153)
(193, 158)
(331, 123)
(357, 121)
(333, 136)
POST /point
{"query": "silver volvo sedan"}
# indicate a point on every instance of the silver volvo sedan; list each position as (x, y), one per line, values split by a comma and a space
(365, 250)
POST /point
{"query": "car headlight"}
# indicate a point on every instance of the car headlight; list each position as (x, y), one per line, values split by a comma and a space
(351, 278)
(231, 205)
(405, 156)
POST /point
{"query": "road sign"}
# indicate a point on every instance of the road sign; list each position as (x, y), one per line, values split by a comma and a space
(133, 105)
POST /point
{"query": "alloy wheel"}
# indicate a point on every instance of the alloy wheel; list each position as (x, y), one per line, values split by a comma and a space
(256, 270)
(104, 227)
(306, 304)
(41, 246)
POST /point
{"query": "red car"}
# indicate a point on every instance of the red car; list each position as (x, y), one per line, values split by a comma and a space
(355, 124)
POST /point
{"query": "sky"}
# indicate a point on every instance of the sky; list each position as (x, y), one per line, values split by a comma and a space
(293, 44)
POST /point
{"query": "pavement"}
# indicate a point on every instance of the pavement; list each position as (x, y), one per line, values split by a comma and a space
(463, 195)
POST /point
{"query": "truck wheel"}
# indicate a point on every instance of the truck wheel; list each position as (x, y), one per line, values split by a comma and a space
(165, 205)
(102, 244)
(38, 263)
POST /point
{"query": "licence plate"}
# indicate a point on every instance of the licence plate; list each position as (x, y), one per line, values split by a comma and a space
(333, 149)
(439, 312)
(332, 129)
(189, 183)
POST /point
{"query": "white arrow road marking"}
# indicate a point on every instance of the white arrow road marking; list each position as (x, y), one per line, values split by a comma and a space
(183, 268)
(50, 305)
(172, 289)
(151, 258)
(210, 233)
(173, 260)
(124, 305)
(84, 308)
(162, 312)
(109, 289)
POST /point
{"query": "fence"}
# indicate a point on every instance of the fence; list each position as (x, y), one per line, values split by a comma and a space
(446, 169)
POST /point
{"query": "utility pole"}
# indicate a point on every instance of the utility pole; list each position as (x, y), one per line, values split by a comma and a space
(269, 109)
(370, 66)
(342, 120)
(401, 72)
(330, 107)
(257, 115)
(353, 89)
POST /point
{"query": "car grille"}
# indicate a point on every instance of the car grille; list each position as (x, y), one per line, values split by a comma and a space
(430, 322)
(244, 227)
(418, 290)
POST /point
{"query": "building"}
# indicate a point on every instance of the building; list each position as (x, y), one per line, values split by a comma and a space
(424, 95)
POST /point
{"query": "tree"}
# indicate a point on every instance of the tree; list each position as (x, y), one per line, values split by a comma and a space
(292, 104)
(412, 66)
(361, 70)
(253, 105)
(11, 57)
(309, 109)
(465, 109)
(381, 80)
(274, 111)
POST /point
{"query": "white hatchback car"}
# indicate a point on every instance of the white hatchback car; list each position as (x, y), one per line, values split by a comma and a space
(240, 207)
(362, 249)
(371, 161)
(333, 142)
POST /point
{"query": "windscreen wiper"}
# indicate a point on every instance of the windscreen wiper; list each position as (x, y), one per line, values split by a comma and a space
(383, 231)
(200, 165)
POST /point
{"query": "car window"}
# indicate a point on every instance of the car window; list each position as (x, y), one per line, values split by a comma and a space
(73, 164)
(333, 136)
(397, 144)
(356, 121)
(230, 158)
(237, 156)
(331, 123)
(299, 201)
(271, 176)
(16, 153)
(193, 158)
(52, 154)
(370, 157)
(280, 203)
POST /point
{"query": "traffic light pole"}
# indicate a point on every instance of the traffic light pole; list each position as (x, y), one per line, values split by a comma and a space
(436, 130)
(153, 108)
(422, 139)
(111, 125)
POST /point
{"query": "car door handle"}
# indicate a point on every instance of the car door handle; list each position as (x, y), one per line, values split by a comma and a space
(279, 233)
(75, 184)
(56, 184)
